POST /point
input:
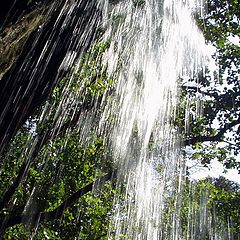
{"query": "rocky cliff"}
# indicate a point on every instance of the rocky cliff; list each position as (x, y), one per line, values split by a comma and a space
(35, 38)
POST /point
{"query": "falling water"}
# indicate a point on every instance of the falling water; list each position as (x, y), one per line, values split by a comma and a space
(152, 44)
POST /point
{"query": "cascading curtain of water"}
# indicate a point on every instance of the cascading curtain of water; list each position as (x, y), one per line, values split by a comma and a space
(153, 43)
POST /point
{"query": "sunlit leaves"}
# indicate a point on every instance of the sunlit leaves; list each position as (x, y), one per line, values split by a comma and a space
(210, 205)
(61, 164)
(218, 121)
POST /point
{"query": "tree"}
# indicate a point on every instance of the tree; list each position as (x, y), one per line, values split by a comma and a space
(210, 209)
(50, 177)
(224, 202)
(214, 133)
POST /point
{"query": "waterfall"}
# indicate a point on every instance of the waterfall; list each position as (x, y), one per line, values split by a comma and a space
(153, 43)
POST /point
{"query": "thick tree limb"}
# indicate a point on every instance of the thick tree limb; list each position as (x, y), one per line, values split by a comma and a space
(215, 138)
(195, 89)
(11, 190)
(42, 139)
(56, 213)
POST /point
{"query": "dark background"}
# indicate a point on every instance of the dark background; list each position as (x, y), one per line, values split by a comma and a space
(12, 10)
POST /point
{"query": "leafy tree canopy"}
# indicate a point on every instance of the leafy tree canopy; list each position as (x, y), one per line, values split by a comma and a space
(213, 103)
(56, 176)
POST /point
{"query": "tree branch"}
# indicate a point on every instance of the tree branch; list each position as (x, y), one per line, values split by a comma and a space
(41, 141)
(213, 94)
(22, 172)
(56, 213)
(215, 138)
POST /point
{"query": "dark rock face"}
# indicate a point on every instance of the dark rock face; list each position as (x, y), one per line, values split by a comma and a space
(31, 80)
(12, 10)
(13, 37)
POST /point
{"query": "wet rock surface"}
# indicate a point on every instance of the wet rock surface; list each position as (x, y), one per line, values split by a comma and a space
(14, 37)
(29, 81)
(13, 10)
